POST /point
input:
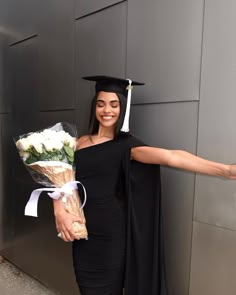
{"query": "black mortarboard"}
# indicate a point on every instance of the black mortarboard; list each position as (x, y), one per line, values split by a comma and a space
(116, 85)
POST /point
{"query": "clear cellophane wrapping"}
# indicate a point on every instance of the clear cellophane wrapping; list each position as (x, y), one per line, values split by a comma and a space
(59, 174)
(54, 168)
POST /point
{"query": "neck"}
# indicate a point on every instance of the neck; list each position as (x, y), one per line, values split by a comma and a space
(106, 132)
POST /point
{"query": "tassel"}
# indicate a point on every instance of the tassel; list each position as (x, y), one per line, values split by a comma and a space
(125, 127)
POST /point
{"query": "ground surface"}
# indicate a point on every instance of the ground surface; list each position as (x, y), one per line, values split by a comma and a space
(15, 282)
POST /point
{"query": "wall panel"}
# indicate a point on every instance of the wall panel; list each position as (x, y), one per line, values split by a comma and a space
(4, 104)
(23, 84)
(28, 231)
(37, 238)
(213, 261)
(20, 19)
(56, 55)
(84, 7)
(164, 48)
(101, 49)
(6, 204)
(173, 126)
(23, 92)
(215, 198)
(50, 118)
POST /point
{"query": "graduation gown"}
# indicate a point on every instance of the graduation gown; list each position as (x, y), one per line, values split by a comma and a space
(145, 271)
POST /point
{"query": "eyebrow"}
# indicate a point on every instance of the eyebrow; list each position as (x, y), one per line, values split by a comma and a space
(101, 100)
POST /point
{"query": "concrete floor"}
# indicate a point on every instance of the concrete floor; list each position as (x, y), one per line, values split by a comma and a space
(15, 282)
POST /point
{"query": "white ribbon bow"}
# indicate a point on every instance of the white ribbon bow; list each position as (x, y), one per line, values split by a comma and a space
(31, 208)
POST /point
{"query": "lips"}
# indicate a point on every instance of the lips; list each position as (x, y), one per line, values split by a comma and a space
(107, 117)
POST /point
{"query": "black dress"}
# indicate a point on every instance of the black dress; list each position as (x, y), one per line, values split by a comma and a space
(107, 258)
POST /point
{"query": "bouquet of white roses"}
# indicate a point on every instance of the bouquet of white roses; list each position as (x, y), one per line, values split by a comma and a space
(49, 156)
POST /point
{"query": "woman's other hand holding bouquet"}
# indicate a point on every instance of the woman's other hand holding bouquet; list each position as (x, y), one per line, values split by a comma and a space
(64, 222)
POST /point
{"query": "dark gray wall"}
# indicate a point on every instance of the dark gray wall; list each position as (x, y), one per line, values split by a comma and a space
(6, 206)
(214, 236)
(184, 51)
(38, 90)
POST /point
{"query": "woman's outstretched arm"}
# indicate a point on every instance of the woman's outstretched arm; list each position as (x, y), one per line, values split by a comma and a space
(183, 160)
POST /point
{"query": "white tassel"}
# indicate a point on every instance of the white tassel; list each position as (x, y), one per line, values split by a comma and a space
(125, 127)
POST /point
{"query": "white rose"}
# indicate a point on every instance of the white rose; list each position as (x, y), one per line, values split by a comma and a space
(24, 155)
(38, 147)
(48, 134)
(23, 144)
(58, 144)
(35, 138)
(61, 135)
(48, 145)
(69, 140)
(53, 144)
(72, 143)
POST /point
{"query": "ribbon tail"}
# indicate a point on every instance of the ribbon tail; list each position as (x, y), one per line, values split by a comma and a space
(55, 195)
(31, 208)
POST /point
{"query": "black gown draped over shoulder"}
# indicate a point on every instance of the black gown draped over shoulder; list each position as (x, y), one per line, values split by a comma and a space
(123, 221)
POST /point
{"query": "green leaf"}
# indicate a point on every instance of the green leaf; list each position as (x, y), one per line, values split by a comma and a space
(33, 151)
(69, 151)
(44, 157)
(70, 160)
(31, 159)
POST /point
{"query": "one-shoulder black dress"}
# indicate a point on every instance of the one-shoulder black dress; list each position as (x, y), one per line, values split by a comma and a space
(100, 262)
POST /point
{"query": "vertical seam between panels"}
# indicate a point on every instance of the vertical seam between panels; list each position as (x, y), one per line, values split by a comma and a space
(197, 138)
(126, 41)
(75, 60)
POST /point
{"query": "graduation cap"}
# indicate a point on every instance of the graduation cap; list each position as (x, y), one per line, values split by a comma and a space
(116, 85)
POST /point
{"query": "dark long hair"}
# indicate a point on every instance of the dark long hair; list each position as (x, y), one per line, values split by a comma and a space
(93, 122)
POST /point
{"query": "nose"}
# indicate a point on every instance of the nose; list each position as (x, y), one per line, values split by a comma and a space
(107, 108)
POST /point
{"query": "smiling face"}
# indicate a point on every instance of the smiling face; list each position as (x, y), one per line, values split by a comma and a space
(107, 109)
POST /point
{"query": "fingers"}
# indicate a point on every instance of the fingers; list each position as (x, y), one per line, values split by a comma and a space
(66, 236)
(64, 225)
(65, 232)
(79, 219)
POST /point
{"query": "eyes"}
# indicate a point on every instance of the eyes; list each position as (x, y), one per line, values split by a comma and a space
(113, 104)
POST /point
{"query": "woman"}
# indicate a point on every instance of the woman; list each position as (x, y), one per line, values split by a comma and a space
(124, 234)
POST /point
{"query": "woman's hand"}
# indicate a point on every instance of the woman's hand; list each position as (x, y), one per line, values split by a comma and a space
(64, 221)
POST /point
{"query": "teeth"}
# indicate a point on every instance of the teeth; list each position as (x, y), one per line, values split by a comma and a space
(107, 117)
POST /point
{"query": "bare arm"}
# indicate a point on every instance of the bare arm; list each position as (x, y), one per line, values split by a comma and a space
(63, 219)
(183, 160)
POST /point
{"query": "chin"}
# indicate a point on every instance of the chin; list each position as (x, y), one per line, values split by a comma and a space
(108, 125)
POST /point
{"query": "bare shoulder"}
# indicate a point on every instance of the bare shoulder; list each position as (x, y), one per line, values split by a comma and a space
(81, 141)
